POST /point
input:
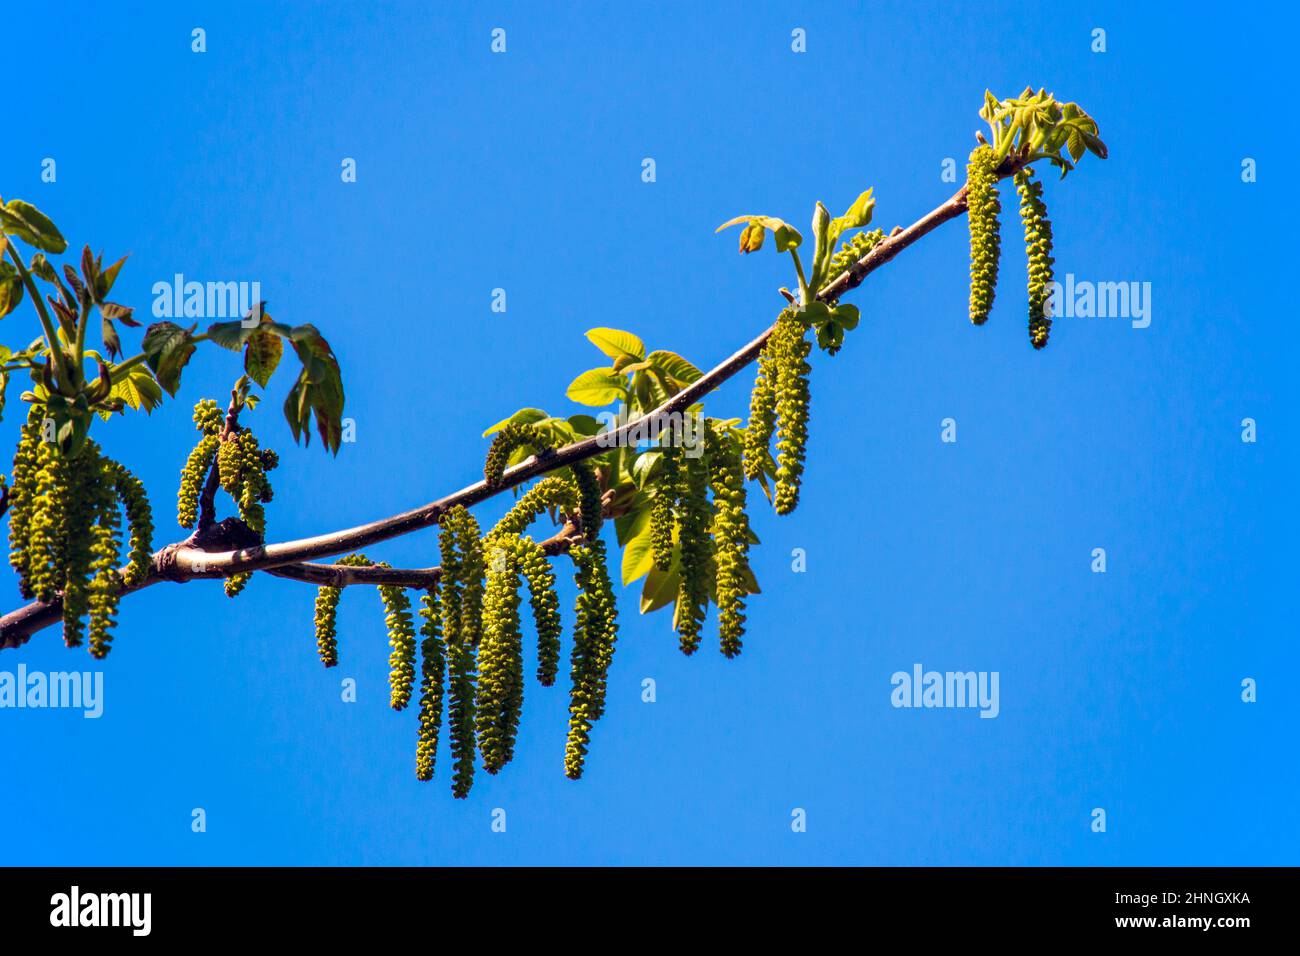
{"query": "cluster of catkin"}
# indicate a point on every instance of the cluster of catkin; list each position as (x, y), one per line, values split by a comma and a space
(983, 211)
(470, 633)
(65, 517)
(241, 466)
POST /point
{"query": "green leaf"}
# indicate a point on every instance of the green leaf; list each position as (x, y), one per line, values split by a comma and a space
(787, 238)
(584, 425)
(167, 347)
(598, 386)
(823, 243)
(42, 269)
(104, 284)
(11, 289)
(660, 588)
(138, 389)
(292, 405)
(231, 335)
(830, 336)
(816, 312)
(846, 316)
(320, 386)
(769, 222)
(644, 467)
(617, 344)
(857, 216)
(638, 552)
(262, 355)
(530, 416)
(673, 366)
(32, 226)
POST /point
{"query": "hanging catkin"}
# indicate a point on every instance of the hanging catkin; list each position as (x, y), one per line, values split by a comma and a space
(1038, 251)
(730, 536)
(982, 209)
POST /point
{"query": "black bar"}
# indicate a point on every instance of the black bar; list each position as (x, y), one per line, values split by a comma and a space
(329, 905)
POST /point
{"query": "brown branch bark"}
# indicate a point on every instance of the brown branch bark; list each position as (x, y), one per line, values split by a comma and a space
(288, 559)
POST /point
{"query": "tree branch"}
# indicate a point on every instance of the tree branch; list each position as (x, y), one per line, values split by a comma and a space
(184, 561)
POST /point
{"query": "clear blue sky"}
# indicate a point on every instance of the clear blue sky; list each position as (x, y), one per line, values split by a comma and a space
(475, 171)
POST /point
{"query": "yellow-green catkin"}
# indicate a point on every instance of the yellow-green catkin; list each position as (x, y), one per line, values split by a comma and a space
(433, 667)
(663, 506)
(696, 515)
(81, 476)
(499, 696)
(139, 516)
(208, 417)
(982, 210)
(590, 507)
(545, 604)
(241, 470)
(326, 616)
(554, 492)
(193, 476)
(1038, 251)
(851, 250)
(459, 628)
(47, 531)
(790, 347)
(22, 494)
(105, 583)
(511, 436)
(762, 408)
(730, 536)
(401, 638)
(594, 633)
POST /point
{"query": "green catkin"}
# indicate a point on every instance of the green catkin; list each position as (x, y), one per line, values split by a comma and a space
(209, 422)
(545, 603)
(208, 417)
(693, 529)
(47, 532)
(27, 465)
(982, 213)
(762, 409)
(433, 666)
(81, 476)
(594, 633)
(554, 492)
(456, 568)
(730, 537)
(499, 697)
(64, 525)
(326, 615)
(1038, 251)
(850, 251)
(511, 436)
(139, 516)
(791, 348)
(473, 567)
(662, 507)
(106, 582)
(401, 638)
(193, 476)
(590, 508)
(241, 471)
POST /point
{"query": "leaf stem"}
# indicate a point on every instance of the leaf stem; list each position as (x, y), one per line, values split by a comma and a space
(51, 337)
